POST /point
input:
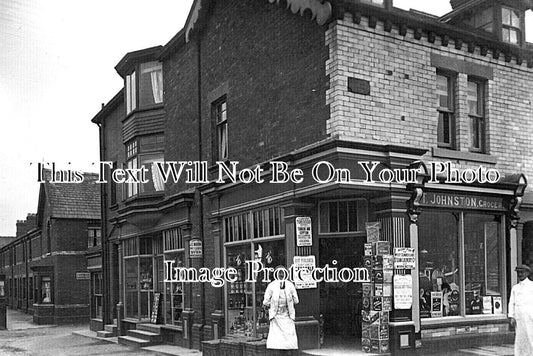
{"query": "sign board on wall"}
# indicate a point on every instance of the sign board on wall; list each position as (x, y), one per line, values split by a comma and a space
(195, 248)
(403, 291)
(446, 200)
(303, 231)
(304, 262)
(83, 276)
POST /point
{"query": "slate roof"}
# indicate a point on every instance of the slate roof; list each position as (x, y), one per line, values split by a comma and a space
(74, 200)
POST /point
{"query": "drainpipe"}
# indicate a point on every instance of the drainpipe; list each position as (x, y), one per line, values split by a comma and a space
(201, 203)
(106, 308)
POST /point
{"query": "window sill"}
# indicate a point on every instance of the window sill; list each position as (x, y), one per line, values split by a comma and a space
(433, 323)
(466, 156)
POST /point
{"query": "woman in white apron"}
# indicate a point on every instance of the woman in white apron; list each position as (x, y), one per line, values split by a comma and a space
(280, 298)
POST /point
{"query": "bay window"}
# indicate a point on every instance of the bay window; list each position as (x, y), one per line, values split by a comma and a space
(144, 89)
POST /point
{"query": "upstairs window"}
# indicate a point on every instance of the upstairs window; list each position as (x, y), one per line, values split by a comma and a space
(94, 237)
(483, 19)
(476, 111)
(511, 25)
(221, 120)
(144, 89)
(145, 151)
(445, 107)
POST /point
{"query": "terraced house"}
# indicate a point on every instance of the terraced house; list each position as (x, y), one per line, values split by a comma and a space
(45, 266)
(303, 82)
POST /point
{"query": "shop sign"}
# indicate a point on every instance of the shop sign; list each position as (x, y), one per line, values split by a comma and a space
(155, 308)
(404, 258)
(446, 200)
(304, 262)
(303, 231)
(403, 291)
(195, 248)
(83, 276)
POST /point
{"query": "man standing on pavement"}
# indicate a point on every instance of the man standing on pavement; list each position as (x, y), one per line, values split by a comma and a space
(521, 312)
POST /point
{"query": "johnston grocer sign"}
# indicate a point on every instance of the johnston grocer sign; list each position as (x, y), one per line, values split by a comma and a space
(446, 200)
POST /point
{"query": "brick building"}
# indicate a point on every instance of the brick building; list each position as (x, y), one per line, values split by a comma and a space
(45, 265)
(346, 82)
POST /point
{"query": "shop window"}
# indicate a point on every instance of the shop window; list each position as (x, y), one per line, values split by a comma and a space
(446, 239)
(476, 111)
(244, 299)
(140, 256)
(146, 89)
(145, 151)
(174, 291)
(511, 25)
(221, 121)
(94, 237)
(342, 216)
(445, 108)
(46, 290)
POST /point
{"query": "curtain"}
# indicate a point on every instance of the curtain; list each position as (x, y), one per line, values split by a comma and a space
(157, 85)
(159, 184)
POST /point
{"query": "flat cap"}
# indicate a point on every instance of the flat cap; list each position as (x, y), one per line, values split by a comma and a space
(522, 267)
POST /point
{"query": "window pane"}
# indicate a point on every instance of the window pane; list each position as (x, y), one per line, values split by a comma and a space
(443, 92)
(473, 99)
(155, 180)
(506, 16)
(444, 128)
(343, 216)
(151, 84)
(475, 132)
(438, 262)
(482, 262)
(513, 36)
(130, 266)
(333, 213)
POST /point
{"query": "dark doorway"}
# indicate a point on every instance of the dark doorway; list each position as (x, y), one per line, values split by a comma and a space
(340, 303)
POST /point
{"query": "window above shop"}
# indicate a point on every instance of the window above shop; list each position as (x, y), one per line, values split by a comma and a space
(253, 224)
(145, 151)
(342, 216)
(144, 86)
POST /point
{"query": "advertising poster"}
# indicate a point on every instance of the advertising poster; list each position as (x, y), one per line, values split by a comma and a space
(303, 231)
(307, 263)
(403, 291)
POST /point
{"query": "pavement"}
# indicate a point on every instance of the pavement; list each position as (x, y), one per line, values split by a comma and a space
(24, 338)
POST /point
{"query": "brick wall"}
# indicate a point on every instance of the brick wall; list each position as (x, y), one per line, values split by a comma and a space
(273, 64)
(403, 84)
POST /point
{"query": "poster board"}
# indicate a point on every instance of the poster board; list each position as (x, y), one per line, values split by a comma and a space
(155, 308)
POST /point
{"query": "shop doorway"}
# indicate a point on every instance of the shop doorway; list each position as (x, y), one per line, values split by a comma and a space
(340, 303)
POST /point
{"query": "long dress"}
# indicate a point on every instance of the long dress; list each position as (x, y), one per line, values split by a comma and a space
(282, 332)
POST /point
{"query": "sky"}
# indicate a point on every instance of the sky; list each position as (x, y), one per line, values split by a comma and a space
(57, 60)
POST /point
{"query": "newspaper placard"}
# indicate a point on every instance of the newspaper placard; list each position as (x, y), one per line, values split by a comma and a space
(304, 262)
(195, 248)
(372, 231)
(403, 291)
(303, 231)
(404, 258)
